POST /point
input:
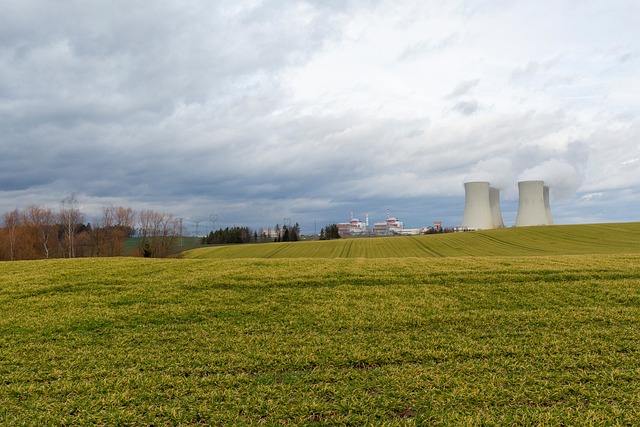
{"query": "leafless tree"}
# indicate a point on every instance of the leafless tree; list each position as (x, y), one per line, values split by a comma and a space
(40, 222)
(119, 222)
(12, 222)
(70, 217)
(158, 233)
(99, 236)
(109, 233)
(124, 219)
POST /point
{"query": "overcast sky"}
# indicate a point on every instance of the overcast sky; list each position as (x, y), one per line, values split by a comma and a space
(256, 111)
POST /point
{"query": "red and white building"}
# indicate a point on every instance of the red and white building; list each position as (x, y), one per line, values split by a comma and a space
(354, 227)
(390, 226)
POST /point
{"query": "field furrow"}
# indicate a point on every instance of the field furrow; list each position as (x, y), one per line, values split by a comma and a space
(525, 241)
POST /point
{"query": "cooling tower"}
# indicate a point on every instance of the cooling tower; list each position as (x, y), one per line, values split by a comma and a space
(547, 205)
(477, 206)
(496, 213)
(533, 205)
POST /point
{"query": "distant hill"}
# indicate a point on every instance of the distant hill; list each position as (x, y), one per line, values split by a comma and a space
(521, 241)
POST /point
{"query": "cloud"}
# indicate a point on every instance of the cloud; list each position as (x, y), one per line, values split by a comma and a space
(625, 57)
(264, 110)
(526, 71)
(591, 196)
(463, 88)
(424, 48)
(497, 171)
(560, 176)
(562, 168)
(466, 108)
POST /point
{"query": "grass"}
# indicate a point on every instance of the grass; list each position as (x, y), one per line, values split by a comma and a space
(542, 340)
(522, 241)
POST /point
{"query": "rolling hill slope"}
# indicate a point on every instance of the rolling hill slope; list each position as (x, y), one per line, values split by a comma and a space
(523, 241)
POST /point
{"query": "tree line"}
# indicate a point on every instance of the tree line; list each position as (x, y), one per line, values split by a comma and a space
(329, 232)
(287, 233)
(229, 235)
(40, 232)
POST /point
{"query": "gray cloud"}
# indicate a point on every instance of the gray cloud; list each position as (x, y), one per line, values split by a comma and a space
(463, 88)
(466, 108)
(199, 108)
(625, 57)
(525, 71)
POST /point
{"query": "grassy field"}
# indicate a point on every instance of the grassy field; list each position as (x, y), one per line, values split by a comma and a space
(523, 241)
(538, 340)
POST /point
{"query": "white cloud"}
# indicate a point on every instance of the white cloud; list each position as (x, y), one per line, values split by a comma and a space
(560, 176)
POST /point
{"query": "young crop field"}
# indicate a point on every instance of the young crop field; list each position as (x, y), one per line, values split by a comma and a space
(523, 241)
(531, 340)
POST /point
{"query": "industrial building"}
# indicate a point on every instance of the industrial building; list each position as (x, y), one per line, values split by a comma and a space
(533, 204)
(481, 207)
(390, 226)
(481, 211)
(354, 227)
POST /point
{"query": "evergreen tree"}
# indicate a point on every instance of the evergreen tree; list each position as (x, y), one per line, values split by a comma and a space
(335, 232)
(229, 235)
(330, 232)
(295, 233)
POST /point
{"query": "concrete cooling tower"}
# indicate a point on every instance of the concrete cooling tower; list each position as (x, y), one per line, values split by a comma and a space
(533, 205)
(496, 212)
(547, 205)
(481, 206)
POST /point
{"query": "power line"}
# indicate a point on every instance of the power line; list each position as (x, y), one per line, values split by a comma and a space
(214, 221)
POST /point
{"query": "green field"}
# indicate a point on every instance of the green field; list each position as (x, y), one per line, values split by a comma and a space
(525, 241)
(456, 340)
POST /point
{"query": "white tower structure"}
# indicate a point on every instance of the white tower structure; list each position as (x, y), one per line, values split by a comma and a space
(481, 206)
(496, 212)
(533, 204)
(547, 205)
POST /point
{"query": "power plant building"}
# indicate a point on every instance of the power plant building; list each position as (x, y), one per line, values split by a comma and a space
(390, 226)
(533, 204)
(353, 227)
(481, 211)
(481, 207)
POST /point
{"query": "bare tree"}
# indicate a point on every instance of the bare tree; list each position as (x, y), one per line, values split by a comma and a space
(40, 222)
(147, 220)
(158, 233)
(124, 221)
(70, 217)
(12, 222)
(98, 234)
(119, 223)
(170, 230)
(109, 233)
